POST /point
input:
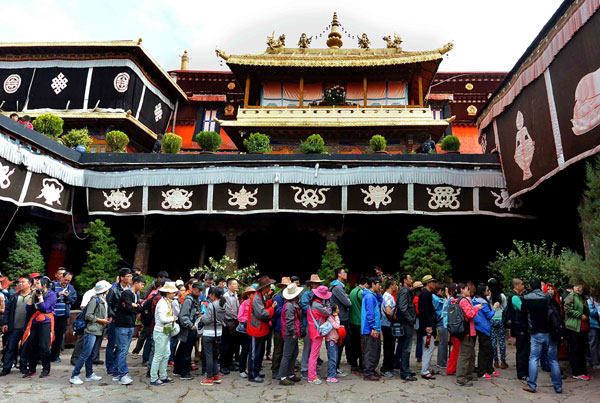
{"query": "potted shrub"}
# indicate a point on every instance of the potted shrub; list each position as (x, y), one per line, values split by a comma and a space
(49, 125)
(77, 139)
(258, 143)
(117, 141)
(171, 143)
(314, 144)
(209, 142)
(378, 143)
(451, 144)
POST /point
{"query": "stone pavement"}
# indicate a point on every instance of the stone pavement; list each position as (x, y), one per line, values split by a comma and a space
(505, 388)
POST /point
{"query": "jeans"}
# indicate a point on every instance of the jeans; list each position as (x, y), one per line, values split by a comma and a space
(288, 358)
(90, 344)
(442, 355)
(305, 353)
(594, 340)
(111, 349)
(332, 358)
(124, 336)
(356, 358)
(277, 352)
(160, 360)
(345, 343)
(147, 348)
(39, 346)
(427, 354)
(538, 340)
(389, 343)
(183, 356)
(211, 352)
(245, 344)
(60, 327)
(315, 348)
(419, 348)
(372, 353)
(12, 349)
(257, 351)
(404, 347)
(485, 363)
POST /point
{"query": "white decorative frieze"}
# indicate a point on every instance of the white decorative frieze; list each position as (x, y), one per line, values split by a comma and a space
(242, 198)
(377, 195)
(444, 197)
(117, 199)
(177, 199)
(308, 196)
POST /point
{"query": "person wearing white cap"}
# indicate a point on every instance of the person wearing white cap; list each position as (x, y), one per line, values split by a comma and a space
(164, 327)
(290, 332)
(96, 320)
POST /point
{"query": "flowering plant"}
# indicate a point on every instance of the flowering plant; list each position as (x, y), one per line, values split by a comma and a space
(335, 95)
(227, 268)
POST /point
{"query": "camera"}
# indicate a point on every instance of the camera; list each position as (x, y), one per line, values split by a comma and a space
(38, 291)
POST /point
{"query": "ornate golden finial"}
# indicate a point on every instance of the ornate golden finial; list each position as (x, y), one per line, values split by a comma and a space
(304, 41)
(334, 40)
(393, 43)
(364, 42)
(273, 43)
(446, 48)
(184, 60)
(221, 54)
(139, 42)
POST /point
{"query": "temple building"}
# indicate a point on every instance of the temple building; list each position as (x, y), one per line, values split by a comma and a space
(279, 210)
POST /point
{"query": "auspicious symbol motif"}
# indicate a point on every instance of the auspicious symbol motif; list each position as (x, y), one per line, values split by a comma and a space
(273, 43)
(304, 41)
(524, 148)
(5, 173)
(586, 112)
(117, 199)
(393, 43)
(12, 83)
(502, 200)
(443, 196)
(483, 142)
(158, 112)
(364, 42)
(242, 198)
(471, 110)
(59, 83)
(310, 196)
(229, 109)
(177, 199)
(378, 195)
(121, 82)
(51, 191)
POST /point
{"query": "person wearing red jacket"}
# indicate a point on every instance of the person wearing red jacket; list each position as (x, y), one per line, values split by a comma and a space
(259, 314)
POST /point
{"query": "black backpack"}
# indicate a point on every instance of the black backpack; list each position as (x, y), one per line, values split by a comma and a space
(458, 326)
(146, 316)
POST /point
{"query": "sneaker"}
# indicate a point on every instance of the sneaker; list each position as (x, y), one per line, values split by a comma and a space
(29, 374)
(316, 381)
(388, 374)
(186, 377)
(496, 373)
(125, 380)
(487, 376)
(116, 378)
(257, 380)
(45, 374)
(341, 373)
(75, 380)
(332, 380)
(287, 382)
(167, 380)
(92, 378)
(582, 377)
(207, 382)
(156, 383)
(243, 374)
(217, 379)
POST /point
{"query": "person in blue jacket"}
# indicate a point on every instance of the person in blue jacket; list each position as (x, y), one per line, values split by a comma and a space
(371, 327)
(483, 326)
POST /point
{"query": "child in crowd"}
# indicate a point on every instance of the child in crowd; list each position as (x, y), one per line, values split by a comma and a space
(331, 343)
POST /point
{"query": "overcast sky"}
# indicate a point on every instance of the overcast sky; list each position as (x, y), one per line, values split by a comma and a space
(488, 35)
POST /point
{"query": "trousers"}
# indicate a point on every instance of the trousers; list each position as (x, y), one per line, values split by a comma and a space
(372, 354)
(60, 328)
(485, 361)
(39, 346)
(288, 358)
(466, 360)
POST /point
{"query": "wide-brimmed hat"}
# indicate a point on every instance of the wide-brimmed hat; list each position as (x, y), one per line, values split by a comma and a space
(102, 286)
(291, 291)
(169, 286)
(263, 282)
(314, 278)
(417, 284)
(427, 279)
(285, 281)
(322, 292)
(249, 290)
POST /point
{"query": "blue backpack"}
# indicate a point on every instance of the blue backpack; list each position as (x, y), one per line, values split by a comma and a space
(79, 323)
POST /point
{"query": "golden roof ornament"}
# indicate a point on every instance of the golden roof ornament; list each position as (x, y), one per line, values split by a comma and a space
(393, 43)
(275, 44)
(304, 41)
(364, 42)
(334, 40)
(184, 60)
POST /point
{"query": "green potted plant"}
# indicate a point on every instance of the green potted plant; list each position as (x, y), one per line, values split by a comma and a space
(209, 142)
(117, 141)
(77, 139)
(314, 144)
(451, 144)
(49, 125)
(378, 144)
(258, 143)
(171, 143)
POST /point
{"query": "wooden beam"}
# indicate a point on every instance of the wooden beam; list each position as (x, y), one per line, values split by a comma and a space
(301, 91)
(420, 89)
(247, 94)
(365, 91)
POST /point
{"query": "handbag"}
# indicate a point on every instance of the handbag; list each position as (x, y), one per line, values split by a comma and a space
(324, 328)
(176, 329)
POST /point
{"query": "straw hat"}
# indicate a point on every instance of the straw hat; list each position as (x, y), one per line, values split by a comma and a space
(417, 284)
(427, 279)
(101, 287)
(285, 281)
(291, 291)
(249, 290)
(314, 278)
(322, 292)
(169, 287)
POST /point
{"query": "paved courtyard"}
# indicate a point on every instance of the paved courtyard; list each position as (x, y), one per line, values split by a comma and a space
(505, 388)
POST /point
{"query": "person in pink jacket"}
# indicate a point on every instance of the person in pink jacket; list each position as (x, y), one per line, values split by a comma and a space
(318, 313)
(331, 343)
(244, 338)
(466, 356)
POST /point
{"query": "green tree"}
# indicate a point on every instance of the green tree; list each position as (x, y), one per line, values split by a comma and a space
(102, 257)
(331, 260)
(49, 125)
(426, 254)
(25, 255)
(527, 261)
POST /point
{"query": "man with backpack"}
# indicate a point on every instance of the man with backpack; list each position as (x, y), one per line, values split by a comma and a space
(516, 319)
(340, 298)
(188, 333)
(112, 299)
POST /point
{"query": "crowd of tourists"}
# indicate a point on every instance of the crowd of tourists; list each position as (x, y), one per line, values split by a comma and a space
(209, 325)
